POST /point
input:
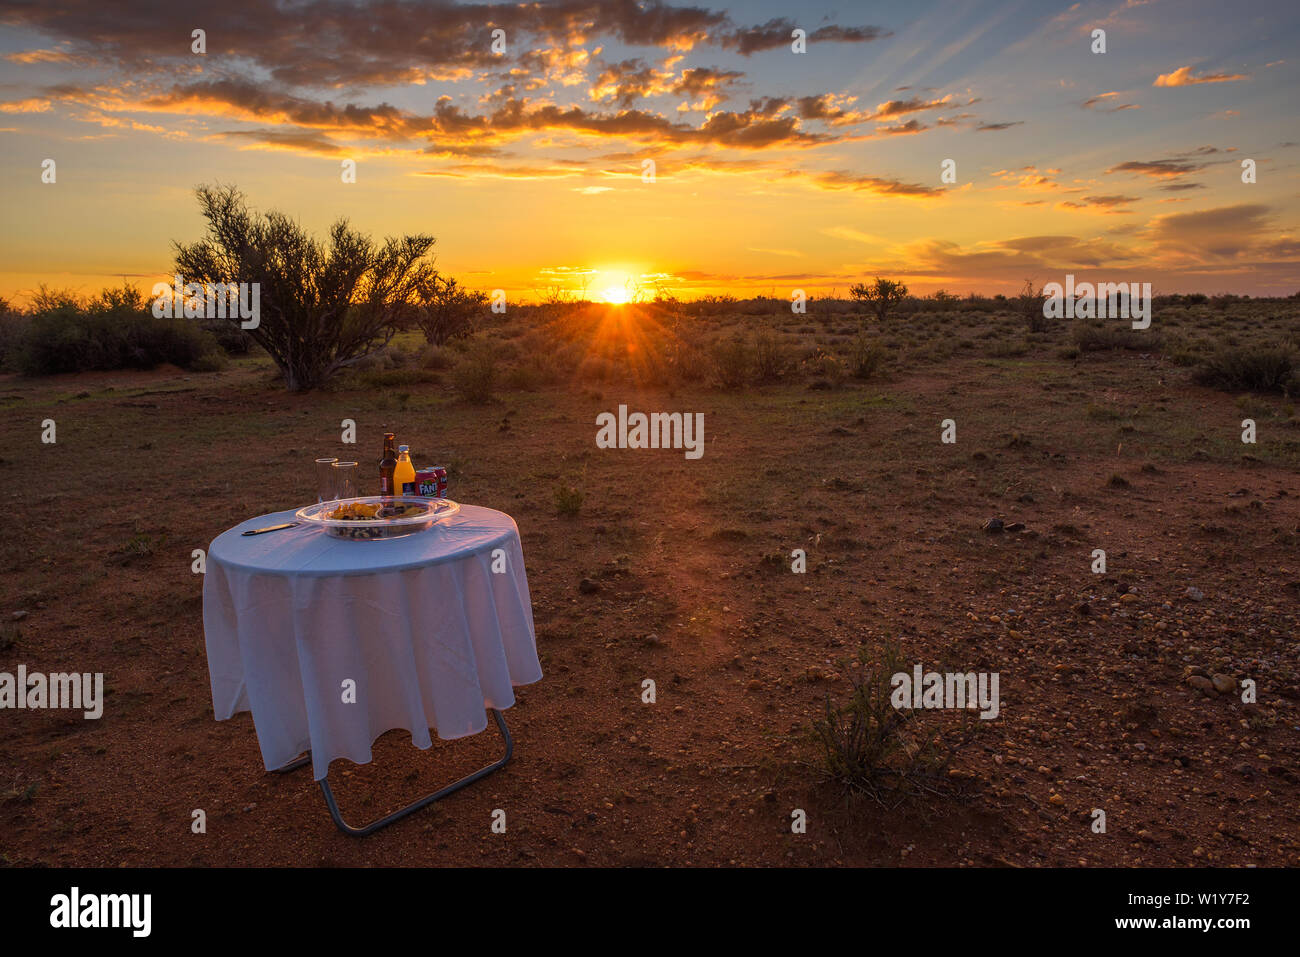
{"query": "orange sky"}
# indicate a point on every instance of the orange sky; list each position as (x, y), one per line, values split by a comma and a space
(772, 169)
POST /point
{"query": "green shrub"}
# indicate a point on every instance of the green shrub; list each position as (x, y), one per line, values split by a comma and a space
(1268, 368)
(476, 374)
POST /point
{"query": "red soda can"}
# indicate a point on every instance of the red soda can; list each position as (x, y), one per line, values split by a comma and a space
(431, 482)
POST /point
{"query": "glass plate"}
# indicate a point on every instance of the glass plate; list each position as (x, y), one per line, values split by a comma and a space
(396, 516)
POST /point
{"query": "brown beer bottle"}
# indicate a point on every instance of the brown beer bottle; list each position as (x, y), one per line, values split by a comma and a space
(387, 465)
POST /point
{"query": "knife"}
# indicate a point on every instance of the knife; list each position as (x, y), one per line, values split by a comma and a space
(270, 528)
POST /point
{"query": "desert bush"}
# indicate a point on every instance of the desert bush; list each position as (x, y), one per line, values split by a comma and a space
(211, 362)
(1008, 349)
(869, 747)
(865, 357)
(733, 363)
(687, 356)
(233, 340)
(1266, 368)
(1092, 336)
(769, 361)
(1182, 351)
(323, 305)
(13, 327)
(434, 359)
(114, 330)
(445, 311)
(568, 499)
(475, 375)
(882, 295)
(1030, 304)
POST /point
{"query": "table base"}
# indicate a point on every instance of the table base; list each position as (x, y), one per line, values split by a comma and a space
(425, 801)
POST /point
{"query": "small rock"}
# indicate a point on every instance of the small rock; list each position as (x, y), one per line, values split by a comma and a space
(754, 685)
(588, 587)
(1128, 598)
(1056, 799)
(1016, 527)
(18, 615)
(1194, 593)
(993, 525)
(1223, 684)
(1201, 683)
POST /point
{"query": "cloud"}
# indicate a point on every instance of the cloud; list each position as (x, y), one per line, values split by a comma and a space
(997, 126)
(332, 44)
(41, 56)
(852, 235)
(839, 179)
(1223, 233)
(1159, 169)
(34, 104)
(1183, 76)
(1104, 100)
(301, 141)
(778, 32)
(1010, 259)
(911, 126)
(1109, 204)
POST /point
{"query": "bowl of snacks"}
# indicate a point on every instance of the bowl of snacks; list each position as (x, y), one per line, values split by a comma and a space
(377, 518)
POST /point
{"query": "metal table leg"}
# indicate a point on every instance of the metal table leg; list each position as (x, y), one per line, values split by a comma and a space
(373, 826)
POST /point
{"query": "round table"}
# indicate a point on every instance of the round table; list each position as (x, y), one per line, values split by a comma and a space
(330, 643)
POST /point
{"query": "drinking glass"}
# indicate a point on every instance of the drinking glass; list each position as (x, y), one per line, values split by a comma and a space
(345, 480)
(325, 480)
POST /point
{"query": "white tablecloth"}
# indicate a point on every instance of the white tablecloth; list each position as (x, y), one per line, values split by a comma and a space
(430, 635)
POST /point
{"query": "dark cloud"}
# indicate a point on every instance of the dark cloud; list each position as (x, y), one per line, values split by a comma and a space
(1107, 103)
(777, 33)
(328, 43)
(838, 179)
(1159, 169)
(1226, 232)
(1104, 202)
(301, 141)
(911, 126)
(995, 127)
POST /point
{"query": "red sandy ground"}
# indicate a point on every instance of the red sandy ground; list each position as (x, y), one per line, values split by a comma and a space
(1095, 709)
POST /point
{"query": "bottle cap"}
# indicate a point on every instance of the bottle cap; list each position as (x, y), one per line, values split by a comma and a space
(403, 448)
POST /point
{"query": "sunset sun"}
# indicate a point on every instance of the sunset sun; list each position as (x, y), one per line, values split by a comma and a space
(615, 295)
